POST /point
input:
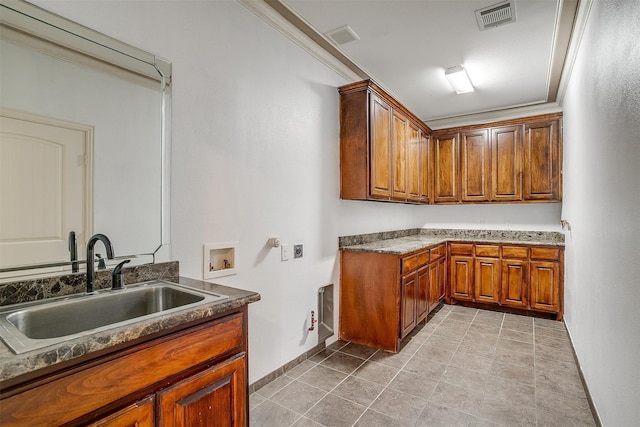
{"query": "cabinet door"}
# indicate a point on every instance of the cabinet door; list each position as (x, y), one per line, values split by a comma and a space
(408, 315)
(140, 414)
(380, 150)
(215, 397)
(461, 277)
(442, 280)
(425, 168)
(399, 137)
(487, 280)
(542, 161)
(545, 285)
(514, 283)
(474, 166)
(413, 163)
(506, 163)
(424, 293)
(445, 164)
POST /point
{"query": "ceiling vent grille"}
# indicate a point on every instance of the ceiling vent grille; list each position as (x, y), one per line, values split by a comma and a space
(342, 35)
(496, 15)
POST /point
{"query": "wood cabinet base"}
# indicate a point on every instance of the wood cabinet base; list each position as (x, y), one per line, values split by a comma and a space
(167, 381)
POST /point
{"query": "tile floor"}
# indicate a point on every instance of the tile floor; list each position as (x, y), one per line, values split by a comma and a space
(464, 367)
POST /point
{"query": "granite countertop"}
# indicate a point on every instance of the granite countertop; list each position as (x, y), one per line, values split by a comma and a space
(13, 365)
(417, 239)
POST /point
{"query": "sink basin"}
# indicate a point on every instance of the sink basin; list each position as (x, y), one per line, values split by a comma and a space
(28, 326)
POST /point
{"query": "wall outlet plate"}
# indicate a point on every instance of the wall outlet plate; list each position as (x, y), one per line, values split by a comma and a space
(284, 252)
(297, 251)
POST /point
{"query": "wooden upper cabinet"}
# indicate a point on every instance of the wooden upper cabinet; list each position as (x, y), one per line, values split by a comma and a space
(381, 153)
(399, 146)
(380, 148)
(388, 154)
(506, 163)
(542, 161)
(445, 168)
(425, 171)
(475, 156)
(413, 163)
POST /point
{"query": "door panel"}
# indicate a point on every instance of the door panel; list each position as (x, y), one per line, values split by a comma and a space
(380, 148)
(399, 136)
(506, 168)
(514, 283)
(487, 280)
(43, 189)
(542, 161)
(475, 157)
(445, 160)
(408, 316)
(462, 277)
(545, 285)
(413, 163)
(215, 397)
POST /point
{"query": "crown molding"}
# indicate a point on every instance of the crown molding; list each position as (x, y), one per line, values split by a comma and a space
(296, 28)
(579, 26)
(495, 116)
(280, 17)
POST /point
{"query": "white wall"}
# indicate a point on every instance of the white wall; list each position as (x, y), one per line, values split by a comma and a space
(525, 216)
(602, 203)
(256, 154)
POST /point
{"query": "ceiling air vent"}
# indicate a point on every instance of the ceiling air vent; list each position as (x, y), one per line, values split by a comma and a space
(496, 15)
(342, 35)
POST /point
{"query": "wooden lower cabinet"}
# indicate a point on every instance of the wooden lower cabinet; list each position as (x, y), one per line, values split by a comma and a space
(140, 414)
(384, 296)
(461, 277)
(409, 306)
(515, 285)
(437, 282)
(520, 277)
(424, 300)
(195, 376)
(544, 290)
(215, 398)
(487, 280)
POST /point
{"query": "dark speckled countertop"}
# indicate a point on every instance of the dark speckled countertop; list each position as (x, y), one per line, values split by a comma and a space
(407, 241)
(13, 365)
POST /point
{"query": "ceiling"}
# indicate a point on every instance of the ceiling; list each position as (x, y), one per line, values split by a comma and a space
(405, 46)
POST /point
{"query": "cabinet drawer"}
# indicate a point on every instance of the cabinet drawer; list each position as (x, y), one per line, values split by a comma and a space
(409, 264)
(423, 259)
(461, 249)
(551, 254)
(515, 252)
(491, 251)
(438, 251)
(70, 397)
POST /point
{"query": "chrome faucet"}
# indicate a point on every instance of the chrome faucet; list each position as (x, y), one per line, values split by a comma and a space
(90, 258)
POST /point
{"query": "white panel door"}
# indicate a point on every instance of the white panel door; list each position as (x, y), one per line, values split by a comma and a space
(43, 189)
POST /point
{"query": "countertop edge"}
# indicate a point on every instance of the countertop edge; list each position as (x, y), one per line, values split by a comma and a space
(407, 245)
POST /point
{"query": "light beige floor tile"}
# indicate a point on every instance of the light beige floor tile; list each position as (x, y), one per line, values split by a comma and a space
(358, 390)
(269, 414)
(400, 406)
(335, 411)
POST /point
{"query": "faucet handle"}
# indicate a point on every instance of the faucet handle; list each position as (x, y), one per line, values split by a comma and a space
(117, 276)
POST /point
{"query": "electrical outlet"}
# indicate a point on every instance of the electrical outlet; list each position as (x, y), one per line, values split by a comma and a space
(297, 251)
(284, 252)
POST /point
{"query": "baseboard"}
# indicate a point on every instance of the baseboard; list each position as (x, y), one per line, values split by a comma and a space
(594, 412)
(286, 367)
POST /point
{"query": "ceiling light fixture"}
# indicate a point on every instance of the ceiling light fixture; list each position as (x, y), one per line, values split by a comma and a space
(458, 79)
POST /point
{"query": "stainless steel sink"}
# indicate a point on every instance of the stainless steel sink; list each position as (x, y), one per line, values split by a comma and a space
(28, 326)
